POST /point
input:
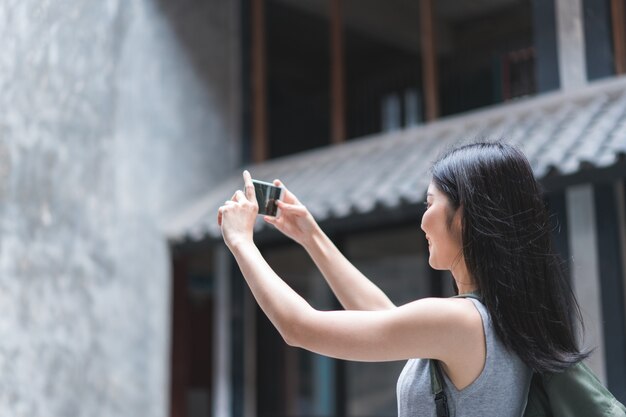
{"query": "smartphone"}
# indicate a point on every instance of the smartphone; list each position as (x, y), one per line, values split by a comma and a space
(266, 196)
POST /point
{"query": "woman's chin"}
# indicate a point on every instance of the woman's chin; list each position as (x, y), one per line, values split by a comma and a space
(434, 264)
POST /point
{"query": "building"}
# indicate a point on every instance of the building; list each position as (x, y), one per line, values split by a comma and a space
(348, 103)
(115, 115)
(125, 124)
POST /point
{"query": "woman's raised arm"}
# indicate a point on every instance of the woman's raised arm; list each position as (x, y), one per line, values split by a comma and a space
(427, 328)
(353, 289)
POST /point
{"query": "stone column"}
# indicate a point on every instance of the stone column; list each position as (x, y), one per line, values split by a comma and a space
(571, 44)
(583, 243)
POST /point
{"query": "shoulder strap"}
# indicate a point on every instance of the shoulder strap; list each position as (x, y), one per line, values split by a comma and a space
(436, 387)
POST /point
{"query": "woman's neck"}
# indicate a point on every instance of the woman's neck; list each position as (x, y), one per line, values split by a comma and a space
(463, 279)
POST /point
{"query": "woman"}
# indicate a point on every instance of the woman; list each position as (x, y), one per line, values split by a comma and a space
(486, 222)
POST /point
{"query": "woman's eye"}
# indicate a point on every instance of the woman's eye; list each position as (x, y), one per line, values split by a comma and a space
(426, 204)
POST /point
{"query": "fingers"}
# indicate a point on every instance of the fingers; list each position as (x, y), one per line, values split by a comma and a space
(295, 209)
(287, 195)
(249, 187)
(221, 210)
(269, 219)
(239, 196)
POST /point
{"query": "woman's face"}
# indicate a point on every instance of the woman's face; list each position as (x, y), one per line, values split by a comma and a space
(443, 235)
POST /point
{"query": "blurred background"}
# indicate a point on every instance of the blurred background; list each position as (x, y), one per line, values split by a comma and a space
(124, 124)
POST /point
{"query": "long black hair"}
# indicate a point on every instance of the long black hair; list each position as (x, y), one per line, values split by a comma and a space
(507, 247)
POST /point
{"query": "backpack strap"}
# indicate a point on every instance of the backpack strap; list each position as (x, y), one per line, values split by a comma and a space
(436, 386)
(436, 378)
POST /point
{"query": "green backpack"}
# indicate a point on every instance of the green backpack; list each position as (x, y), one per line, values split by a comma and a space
(576, 392)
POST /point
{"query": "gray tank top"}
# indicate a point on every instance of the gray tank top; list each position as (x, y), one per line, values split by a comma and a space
(499, 391)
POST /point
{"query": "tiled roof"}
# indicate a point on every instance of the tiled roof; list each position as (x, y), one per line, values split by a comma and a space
(559, 132)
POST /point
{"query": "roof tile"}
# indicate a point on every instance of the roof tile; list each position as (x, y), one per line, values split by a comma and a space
(560, 133)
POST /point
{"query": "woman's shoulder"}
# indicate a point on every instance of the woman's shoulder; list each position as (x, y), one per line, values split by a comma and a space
(455, 319)
(463, 347)
(460, 310)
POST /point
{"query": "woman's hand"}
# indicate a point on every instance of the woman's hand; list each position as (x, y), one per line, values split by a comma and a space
(294, 220)
(237, 216)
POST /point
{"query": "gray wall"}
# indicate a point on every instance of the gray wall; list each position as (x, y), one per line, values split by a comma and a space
(113, 115)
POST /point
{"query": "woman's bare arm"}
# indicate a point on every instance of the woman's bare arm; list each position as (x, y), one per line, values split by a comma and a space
(354, 290)
(427, 328)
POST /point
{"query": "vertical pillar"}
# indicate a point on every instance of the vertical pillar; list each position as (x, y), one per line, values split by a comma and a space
(583, 245)
(620, 195)
(340, 371)
(250, 350)
(430, 83)
(599, 50)
(618, 22)
(222, 383)
(179, 379)
(259, 83)
(571, 44)
(292, 381)
(610, 256)
(238, 289)
(337, 77)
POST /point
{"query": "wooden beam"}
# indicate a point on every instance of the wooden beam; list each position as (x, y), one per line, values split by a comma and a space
(337, 77)
(260, 145)
(430, 83)
(618, 20)
(179, 364)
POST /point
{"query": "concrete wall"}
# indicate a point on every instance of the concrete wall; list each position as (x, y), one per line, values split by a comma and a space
(113, 115)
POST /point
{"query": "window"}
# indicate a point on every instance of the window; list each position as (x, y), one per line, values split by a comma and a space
(485, 53)
(383, 66)
(298, 76)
